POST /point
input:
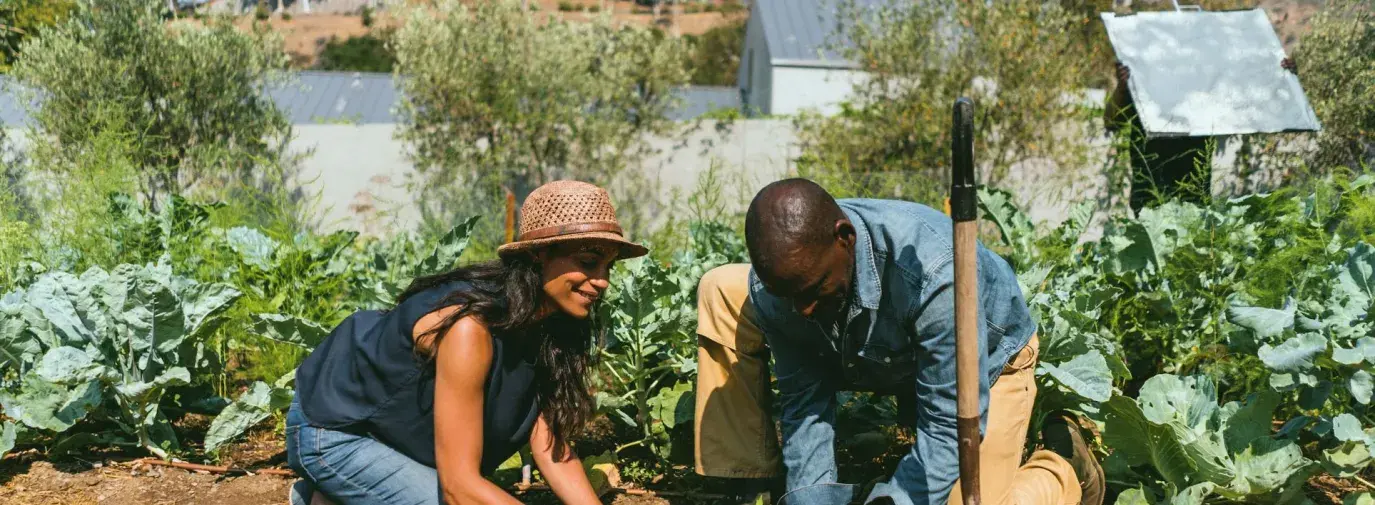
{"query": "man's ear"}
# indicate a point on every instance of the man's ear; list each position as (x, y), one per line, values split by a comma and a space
(845, 233)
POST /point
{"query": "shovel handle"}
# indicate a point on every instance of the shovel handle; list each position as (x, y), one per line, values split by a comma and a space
(964, 213)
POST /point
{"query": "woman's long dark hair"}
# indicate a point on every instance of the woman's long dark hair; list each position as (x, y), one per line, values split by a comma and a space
(507, 296)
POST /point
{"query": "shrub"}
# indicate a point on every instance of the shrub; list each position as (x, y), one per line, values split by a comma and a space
(715, 56)
(1336, 61)
(500, 99)
(192, 92)
(565, 6)
(364, 53)
(367, 14)
(893, 137)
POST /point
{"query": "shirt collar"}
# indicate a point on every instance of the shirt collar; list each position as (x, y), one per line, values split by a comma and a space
(867, 285)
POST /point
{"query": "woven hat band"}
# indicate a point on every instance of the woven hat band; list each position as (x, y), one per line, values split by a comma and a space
(568, 229)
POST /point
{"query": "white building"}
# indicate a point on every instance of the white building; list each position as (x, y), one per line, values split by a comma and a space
(789, 62)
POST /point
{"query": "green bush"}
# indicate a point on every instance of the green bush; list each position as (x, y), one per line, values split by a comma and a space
(22, 19)
(729, 7)
(363, 53)
(565, 6)
(715, 56)
(1336, 61)
(233, 133)
(475, 70)
(368, 16)
(893, 137)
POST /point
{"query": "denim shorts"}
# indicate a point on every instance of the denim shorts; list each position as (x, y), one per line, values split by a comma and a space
(354, 469)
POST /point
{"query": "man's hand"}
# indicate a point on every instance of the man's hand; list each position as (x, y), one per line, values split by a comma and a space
(1288, 64)
(1123, 73)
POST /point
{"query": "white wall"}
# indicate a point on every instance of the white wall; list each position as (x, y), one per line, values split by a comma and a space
(755, 74)
(359, 172)
(819, 89)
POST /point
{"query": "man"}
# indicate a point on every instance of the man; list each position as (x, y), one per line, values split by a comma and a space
(857, 295)
(1164, 167)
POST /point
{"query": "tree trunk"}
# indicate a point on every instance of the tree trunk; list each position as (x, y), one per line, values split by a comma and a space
(279, 7)
(525, 5)
(305, 6)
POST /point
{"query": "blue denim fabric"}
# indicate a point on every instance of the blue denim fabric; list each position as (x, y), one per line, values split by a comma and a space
(899, 337)
(354, 469)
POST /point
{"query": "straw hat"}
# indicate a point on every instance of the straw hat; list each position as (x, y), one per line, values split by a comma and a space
(569, 210)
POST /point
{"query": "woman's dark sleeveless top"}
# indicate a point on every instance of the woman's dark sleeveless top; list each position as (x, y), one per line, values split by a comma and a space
(365, 378)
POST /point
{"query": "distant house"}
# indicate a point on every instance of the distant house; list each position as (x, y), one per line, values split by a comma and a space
(789, 64)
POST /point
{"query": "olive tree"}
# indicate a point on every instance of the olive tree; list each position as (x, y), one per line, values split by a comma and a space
(190, 95)
(1020, 60)
(498, 98)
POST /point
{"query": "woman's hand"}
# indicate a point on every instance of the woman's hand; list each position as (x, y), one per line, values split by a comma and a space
(461, 364)
(566, 477)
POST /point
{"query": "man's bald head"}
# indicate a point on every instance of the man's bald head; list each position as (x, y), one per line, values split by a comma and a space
(790, 224)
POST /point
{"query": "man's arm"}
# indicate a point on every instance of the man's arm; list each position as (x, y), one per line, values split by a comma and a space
(808, 405)
(1119, 102)
(927, 473)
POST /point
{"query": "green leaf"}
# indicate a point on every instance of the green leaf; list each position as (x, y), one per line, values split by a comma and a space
(450, 248)
(1080, 215)
(1347, 459)
(1133, 496)
(1141, 443)
(204, 305)
(1017, 230)
(1348, 429)
(1266, 465)
(248, 410)
(1128, 251)
(1086, 375)
(143, 391)
(673, 406)
(1295, 354)
(1362, 498)
(69, 366)
(1193, 495)
(1367, 347)
(1362, 386)
(41, 404)
(1347, 356)
(6, 438)
(49, 297)
(289, 329)
(1265, 323)
(1251, 421)
(1187, 401)
(252, 246)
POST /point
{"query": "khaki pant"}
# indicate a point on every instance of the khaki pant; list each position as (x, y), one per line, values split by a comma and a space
(735, 428)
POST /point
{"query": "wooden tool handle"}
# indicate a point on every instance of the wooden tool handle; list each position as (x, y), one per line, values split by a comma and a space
(964, 212)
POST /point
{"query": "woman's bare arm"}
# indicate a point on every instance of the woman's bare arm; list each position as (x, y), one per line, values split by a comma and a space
(566, 477)
(461, 364)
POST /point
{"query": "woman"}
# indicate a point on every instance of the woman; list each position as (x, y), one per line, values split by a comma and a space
(415, 404)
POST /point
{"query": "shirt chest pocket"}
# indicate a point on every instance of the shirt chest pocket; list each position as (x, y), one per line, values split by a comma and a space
(889, 347)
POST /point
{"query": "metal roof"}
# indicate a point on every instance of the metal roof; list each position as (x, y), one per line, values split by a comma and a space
(313, 97)
(800, 32)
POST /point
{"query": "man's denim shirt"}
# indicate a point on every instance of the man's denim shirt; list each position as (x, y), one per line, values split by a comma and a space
(900, 337)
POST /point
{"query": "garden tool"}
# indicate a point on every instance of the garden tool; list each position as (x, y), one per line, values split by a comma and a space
(964, 212)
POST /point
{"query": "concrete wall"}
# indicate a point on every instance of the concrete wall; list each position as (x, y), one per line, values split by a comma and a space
(808, 88)
(359, 173)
